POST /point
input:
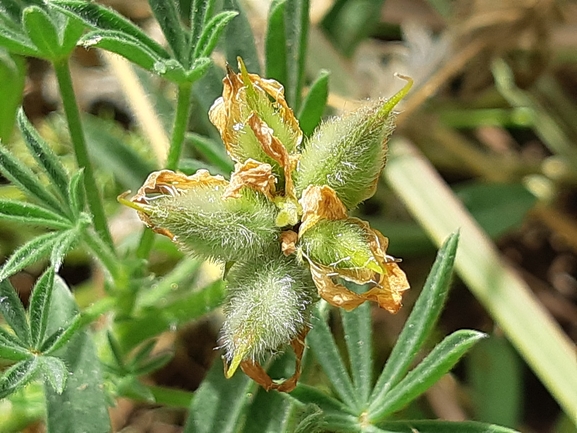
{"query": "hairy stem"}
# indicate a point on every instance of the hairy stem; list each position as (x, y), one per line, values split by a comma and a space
(180, 125)
(80, 150)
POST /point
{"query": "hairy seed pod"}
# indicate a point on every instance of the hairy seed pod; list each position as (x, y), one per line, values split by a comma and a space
(268, 305)
(340, 244)
(202, 221)
(348, 153)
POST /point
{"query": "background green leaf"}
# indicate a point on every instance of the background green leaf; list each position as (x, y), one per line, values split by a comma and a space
(358, 338)
(494, 372)
(315, 102)
(12, 78)
(296, 28)
(323, 346)
(239, 40)
(219, 403)
(275, 43)
(84, 384)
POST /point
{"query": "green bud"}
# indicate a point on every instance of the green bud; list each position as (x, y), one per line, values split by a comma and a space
(348, 153)
(226, 229)
(341, 244)
(268, 305)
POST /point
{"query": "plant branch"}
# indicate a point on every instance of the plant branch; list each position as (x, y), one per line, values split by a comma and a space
(80, 150)
(180, 125)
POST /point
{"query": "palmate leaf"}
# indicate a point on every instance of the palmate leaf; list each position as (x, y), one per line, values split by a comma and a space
(168, 16)
(103, 18)
(200, 13)
(13, 312)
(20, 175)
(76, 193)
(441, 359)
(42, 32)
(326, 352)
(420, 323)
(124, 45)
(11, 348)
(13, 39)
(84, 383)
(39, 306)
(211, 33)
(28, 213)
(18, 376)
(31, 252)
(219, 403)
(44, 155)
(54, 372)
(428, 426)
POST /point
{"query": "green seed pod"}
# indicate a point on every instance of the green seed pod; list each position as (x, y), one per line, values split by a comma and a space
(348, 153)
(197, 213)
(341, 244)
(268, 304)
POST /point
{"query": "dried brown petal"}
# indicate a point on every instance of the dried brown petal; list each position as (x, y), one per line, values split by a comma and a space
(320, 202)
(248, 95)
(252, 174)
(388, 283)
(274, 149)
(288, 240)
(255, 371)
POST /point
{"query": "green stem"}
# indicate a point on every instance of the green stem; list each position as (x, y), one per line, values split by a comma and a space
(178, 133)
(106, 256)
(79, 143)
(145, 244)
(171, 396)
(180, 125)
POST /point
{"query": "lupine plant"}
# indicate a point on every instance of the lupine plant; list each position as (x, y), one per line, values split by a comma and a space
(280, 225)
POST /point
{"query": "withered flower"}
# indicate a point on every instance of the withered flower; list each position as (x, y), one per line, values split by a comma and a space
(281, 223)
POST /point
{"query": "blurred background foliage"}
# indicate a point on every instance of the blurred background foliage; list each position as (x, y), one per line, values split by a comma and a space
(494, 110)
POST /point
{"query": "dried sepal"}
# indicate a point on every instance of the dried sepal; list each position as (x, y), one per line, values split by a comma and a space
(275, 150)
(255, 371)
(278, 115)
(288, 240)
(248, 96)
(320, 202)
(251, 174)
(387, 291)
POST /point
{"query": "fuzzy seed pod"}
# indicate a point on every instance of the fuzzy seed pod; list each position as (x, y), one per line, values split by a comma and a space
(268, 306)
(348, 153)
(196, 212)
(341, 244)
